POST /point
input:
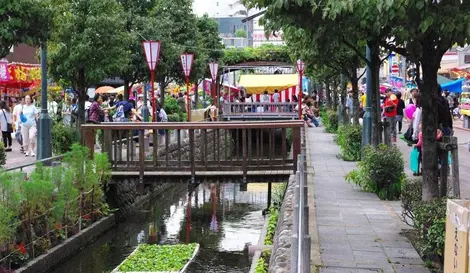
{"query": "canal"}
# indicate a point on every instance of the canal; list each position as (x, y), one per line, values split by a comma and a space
(218, 216)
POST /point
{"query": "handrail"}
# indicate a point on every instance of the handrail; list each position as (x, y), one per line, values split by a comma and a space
(194, 125)
(22, 166)
(300, 255)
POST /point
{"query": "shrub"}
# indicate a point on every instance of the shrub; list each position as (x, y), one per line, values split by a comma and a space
(349, 139)
(3, 155)
(330, 121)
(381, 171)
(428, 218)
(63, 137)
(175, 117)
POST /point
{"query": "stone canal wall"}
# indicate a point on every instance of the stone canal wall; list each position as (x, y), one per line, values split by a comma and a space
(280, 261)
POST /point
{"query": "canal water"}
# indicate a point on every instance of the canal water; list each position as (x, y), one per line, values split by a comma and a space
(218, 216)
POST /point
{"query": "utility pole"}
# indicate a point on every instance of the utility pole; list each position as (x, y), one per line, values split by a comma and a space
(45, 122)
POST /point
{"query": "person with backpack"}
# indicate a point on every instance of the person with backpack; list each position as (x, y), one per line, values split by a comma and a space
(6, 125)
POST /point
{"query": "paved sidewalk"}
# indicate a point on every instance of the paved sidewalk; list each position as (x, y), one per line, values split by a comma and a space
(16, 158)
(357, 231)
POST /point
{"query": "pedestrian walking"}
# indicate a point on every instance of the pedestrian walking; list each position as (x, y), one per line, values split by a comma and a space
(400, 108)
(6, 125)
(28, 116)
(390, 112)
(17, 121)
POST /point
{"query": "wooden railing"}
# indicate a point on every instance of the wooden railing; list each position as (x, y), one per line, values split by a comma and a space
(197, 147)
(281, 110)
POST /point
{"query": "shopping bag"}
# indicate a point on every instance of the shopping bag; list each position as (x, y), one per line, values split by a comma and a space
(414, 160)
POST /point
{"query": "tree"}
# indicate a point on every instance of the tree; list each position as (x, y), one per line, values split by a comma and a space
(240, 33)
(86, 44)
(319, 50)
(138, 25)
(435, 27)
(23, 21)
(210, 48)
(177, 31)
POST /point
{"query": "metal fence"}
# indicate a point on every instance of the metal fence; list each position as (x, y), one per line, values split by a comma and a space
(300, 256)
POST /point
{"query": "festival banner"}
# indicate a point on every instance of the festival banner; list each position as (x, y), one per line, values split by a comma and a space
(22, 76)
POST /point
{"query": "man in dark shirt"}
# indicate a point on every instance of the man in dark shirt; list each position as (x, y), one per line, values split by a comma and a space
(444, 118)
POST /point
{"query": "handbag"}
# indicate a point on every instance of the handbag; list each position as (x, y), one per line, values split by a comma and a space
(414, 160)
(9, 125)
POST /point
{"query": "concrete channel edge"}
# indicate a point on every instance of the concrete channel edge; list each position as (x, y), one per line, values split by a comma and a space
(315, 256)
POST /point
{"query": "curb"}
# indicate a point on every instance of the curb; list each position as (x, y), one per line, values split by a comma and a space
(462, 129)
(315, 256)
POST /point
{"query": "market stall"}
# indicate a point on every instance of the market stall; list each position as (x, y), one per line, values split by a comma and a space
(256, 85)
(15, 78)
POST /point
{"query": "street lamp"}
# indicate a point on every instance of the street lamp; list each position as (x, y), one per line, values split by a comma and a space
(300, 69)
(187, 60)
(152, 55)
(214, 68)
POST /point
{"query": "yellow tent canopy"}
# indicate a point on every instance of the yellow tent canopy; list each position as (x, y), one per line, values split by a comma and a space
(257, 84)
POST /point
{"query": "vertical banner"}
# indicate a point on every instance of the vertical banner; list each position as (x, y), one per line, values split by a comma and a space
(4, 73)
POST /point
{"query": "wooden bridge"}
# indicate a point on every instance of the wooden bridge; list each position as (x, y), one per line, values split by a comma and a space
(249, 150)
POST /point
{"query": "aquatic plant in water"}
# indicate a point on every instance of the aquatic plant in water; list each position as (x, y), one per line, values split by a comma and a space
(154, 258)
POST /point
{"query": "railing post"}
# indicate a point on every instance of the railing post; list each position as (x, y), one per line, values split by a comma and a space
(191, 155)
(295, 145)
(455, 167)
(245, 154)
(108, 143)
(88, 140)
(141, 158)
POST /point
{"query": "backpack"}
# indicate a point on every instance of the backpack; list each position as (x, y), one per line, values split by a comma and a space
(119, 115)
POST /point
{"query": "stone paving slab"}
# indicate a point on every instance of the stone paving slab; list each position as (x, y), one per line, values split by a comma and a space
(358, 232)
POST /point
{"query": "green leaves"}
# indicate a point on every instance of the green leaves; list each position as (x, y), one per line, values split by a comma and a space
(157, 258)
(23, 21)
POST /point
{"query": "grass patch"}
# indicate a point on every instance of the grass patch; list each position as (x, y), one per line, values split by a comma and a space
(273, 217)
(153, 258)
(263, 263)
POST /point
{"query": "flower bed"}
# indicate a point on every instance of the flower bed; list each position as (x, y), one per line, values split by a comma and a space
(159, 258)
(49, 206)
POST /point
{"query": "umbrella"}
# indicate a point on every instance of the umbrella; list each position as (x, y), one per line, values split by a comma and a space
(104, 89)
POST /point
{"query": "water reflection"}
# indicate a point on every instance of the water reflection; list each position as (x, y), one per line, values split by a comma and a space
(220, 217)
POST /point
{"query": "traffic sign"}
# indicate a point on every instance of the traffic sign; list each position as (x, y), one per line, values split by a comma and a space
(395, 68)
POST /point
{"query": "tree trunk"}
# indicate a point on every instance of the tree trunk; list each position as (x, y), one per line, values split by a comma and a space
(428, 88)
(355, 92)
(344, 94)
(335, 95)
(126, 89)
(81, 88)
(328, 95)
(162, 84)
(375, 98)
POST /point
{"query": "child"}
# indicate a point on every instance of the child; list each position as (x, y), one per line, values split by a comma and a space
(419, 145)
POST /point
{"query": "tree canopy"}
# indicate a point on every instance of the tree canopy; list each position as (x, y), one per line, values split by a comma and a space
(23, 21)
(85, 45)
(265, 53)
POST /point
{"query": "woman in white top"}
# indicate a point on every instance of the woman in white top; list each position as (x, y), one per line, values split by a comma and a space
(6, 125)
(417, 117)
(28, 129)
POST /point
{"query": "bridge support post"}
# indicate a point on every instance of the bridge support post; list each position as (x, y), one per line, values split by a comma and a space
(270, 187)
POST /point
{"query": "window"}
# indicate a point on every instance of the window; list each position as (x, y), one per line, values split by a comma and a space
(466, 59)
